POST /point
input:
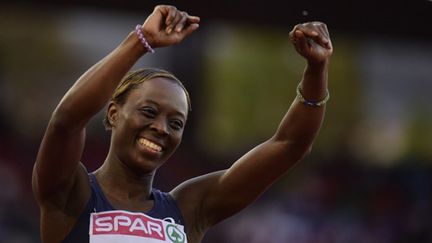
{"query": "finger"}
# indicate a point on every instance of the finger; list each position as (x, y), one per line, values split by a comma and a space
(292, 35)
(189, 29)
(309, 32)
(186, 20)
(324, 38)
(167, 12)
(317, 32)
(171, 12)
(320, 40)
(315, 36)
(326, 34)
(177, 37)
(179, 26)
(324, 30)
(193, 19)
(177, 18)
(301, 41)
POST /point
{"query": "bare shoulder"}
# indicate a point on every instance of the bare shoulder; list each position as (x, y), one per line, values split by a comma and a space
(58, 219)
(190, 197)
(192, 192)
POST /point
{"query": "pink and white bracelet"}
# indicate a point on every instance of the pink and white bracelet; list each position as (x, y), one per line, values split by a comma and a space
(140, 35)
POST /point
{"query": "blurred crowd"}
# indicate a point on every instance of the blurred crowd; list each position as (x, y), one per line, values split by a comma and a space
(332, 201)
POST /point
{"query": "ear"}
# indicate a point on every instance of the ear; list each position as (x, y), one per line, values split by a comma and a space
(112, 113)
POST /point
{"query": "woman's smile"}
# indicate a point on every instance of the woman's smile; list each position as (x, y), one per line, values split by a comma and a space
(150, 146)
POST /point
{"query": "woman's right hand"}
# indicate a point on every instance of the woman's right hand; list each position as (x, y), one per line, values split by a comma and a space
(168, 26)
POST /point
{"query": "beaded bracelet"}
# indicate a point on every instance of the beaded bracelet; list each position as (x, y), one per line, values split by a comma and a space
(140, 35)
(311, 103)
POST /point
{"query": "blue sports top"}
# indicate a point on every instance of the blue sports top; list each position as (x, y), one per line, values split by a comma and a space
(164, 207)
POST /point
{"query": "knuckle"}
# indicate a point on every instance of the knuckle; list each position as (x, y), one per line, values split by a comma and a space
(296, 27)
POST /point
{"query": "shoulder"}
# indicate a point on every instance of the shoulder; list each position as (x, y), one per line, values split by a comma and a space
(72, 200)
(191, 196)
(195, 188)
(57, 221)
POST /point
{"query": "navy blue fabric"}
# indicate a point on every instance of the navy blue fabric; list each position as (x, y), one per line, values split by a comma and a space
(164, 207)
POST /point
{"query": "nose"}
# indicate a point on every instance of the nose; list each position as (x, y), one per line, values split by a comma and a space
(160, 126)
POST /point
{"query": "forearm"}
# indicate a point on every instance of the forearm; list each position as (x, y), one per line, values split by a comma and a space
(301, 123)
(314, 82)
(95, 87)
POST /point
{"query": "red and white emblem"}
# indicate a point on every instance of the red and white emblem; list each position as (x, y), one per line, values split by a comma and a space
(127, 227)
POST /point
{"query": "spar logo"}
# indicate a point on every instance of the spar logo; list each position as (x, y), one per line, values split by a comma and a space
(120, 223)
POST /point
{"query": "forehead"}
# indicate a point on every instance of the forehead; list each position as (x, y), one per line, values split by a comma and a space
(164, 92)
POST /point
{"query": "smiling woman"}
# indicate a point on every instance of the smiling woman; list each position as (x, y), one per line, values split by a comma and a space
(147, 112)
(150, 119)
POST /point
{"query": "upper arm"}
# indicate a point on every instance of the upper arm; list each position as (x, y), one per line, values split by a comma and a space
(57, 169)
(190, 196)
(208, 199)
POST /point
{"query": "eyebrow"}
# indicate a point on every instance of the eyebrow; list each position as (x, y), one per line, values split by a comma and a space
(157, 104)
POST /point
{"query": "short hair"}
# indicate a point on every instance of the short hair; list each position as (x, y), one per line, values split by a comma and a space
(133, 79)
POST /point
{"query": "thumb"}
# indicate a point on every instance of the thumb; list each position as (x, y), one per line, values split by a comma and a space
(191, 28)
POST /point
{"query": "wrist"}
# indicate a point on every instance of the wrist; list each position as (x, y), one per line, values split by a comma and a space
(139, 34)
(314, 82)
(312, 102)
(133, 45)
(317, 66)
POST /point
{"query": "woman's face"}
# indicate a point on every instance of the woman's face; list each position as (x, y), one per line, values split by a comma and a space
(148, 127)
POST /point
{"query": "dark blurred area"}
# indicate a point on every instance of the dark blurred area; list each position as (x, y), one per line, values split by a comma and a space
(369, 176)
(401, 18)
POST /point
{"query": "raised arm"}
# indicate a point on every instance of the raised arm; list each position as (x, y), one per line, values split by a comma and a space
(58, 176)
(224, 193)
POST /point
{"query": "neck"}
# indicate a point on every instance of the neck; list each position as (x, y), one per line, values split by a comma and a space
(122, 182)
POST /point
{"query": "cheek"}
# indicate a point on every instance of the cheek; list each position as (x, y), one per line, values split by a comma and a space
(126, 130)
(178, 138)
(132, 120)
(175, 139)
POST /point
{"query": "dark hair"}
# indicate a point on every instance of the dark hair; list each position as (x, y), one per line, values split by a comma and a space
(133, 79)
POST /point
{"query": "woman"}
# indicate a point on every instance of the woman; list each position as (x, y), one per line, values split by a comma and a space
(146, 114)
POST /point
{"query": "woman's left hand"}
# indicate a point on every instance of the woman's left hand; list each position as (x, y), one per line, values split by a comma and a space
(312, 41)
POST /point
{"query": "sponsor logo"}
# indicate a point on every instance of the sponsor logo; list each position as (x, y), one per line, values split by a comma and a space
(126, 223)
(174, 234)
(119, 226)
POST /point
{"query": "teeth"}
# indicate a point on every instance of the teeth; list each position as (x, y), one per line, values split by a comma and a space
(150, 144)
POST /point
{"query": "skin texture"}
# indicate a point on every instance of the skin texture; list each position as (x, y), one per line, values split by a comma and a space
(157, 111)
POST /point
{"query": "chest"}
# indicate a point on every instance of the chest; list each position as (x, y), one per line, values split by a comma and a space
(131, 205)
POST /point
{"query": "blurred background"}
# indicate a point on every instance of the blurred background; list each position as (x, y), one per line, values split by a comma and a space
(369, 176)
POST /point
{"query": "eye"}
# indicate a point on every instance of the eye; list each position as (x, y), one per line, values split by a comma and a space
(149, 112)
(176, 124)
